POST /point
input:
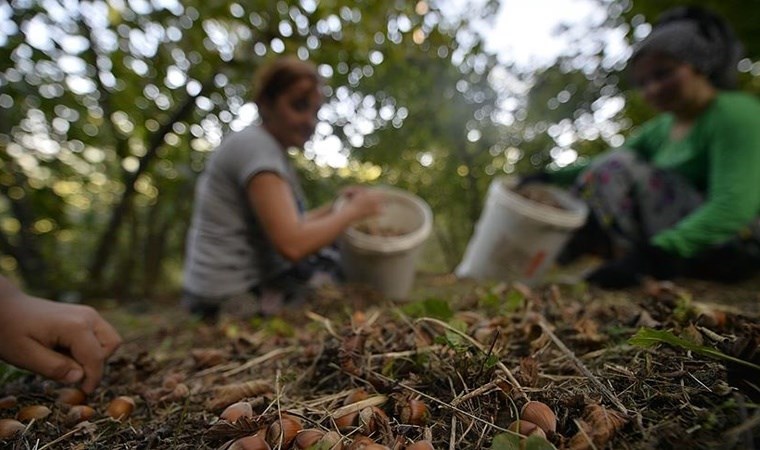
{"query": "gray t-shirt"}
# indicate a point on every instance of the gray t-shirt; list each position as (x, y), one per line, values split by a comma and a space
(227, 251)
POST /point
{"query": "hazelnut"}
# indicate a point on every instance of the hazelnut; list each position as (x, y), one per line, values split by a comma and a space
(171, 380)
(360, 443)
(420, 445)
(79, 413)
(540, 414)
(235, 411)
(376, 447)
(8, 402)
(356, 395)
(526, 428)
(308, 437)
(71, 396)
(255, 442)
(10, 428)
(36, 412)
(414, 412)
(121, 407)
(332, 440)
(284, 429)
(345, 422)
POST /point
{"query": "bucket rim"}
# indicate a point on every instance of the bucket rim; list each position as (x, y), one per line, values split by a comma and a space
(562, 218)
(393, 244)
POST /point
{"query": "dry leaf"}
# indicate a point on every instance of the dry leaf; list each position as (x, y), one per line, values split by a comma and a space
(598, 424)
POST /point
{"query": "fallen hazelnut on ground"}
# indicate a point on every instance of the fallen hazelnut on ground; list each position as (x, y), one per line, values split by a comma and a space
(8, 402)
(360, 443)
(332, 440)
(79, 413)
(10, 428)
(287, 427)
(376, 447)
(346, 422)
(420, 445)
(526, 428)
(37, 412)
(237, 410)
(121, 407)
(308, 437)
(71, 396)
(255, 442)
(171, 380)
(356, 395)
(414, 412)
(313, 438)
(540, 414)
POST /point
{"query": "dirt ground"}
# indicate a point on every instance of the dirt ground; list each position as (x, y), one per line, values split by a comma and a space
(454, 366)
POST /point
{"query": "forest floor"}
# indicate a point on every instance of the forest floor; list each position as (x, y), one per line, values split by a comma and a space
(661, 366)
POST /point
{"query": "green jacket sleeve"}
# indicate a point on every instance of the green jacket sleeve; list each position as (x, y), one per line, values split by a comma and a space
(733, 192)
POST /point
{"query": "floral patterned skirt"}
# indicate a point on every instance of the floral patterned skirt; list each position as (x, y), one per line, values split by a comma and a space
(631, 201)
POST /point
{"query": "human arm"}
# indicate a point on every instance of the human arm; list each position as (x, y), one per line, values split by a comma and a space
(294, 237)
(64, 342)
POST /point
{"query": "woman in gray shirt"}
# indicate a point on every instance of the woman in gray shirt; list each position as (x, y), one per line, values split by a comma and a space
(250, 241)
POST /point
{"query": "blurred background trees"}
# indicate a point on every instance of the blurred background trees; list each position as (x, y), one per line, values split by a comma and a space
(109, 110)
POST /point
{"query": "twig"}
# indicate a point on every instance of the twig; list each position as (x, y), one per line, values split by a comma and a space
(453, 435)
(375, 400)
(325, 321)
(263, 358)
(474, 393)
(583, 369)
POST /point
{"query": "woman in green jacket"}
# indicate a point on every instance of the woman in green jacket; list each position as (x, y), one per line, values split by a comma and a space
(682, 198)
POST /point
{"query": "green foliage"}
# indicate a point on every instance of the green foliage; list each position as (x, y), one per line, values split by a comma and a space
(511, 441)
(432, 307)
(109, 113)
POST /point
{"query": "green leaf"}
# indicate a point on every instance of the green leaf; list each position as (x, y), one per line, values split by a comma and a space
(648, 337)
(432, 307)
(506, 441)
(510, 441)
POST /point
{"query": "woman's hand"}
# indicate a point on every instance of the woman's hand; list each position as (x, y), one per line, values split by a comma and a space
(363, 202)
(64, 342)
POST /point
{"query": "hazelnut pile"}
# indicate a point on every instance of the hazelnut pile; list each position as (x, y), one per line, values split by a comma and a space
(360, 417)
(70, 401)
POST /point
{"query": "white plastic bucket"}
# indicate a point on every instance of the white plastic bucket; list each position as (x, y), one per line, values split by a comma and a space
(517, 238)
(387, 263)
